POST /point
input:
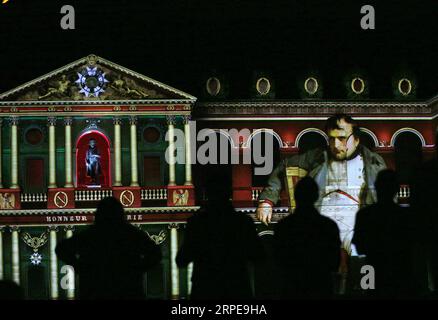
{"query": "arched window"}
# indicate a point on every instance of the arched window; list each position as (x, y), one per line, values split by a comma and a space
(367, 140)
(201, 171)
(311, 140)
(261, 180)
(408, 155)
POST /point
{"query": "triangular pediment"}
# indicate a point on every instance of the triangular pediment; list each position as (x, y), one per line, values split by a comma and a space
(93, 79)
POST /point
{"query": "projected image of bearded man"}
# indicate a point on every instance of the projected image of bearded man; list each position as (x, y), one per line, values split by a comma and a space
(345, 173)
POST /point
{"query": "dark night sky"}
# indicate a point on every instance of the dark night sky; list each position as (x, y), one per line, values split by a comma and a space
(178, 42)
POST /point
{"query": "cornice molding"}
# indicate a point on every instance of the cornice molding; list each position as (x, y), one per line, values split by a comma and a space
(95, 102)
(314, 108)
(54, 212)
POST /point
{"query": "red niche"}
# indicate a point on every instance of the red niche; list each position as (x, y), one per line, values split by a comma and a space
(103, 145)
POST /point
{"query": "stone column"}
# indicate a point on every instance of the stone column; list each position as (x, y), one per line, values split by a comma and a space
(189, 279)
(174, 271)
(71, 289)
(117, 152)
(1, 154)
(2, 268)
(171, 138)
(54, 290)
(134, 167)
(51, 121)
(15, 255)
(68, 154)
(14, 153)
(188, 153)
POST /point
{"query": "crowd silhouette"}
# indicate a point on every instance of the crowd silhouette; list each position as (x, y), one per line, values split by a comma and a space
(400, 243)
(221, 243)
(384, 234)
(307, 247)
(111, 256)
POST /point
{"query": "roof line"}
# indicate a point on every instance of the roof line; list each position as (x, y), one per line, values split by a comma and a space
(45, 76)
(103, 61)
(143, 77)
(94, 102)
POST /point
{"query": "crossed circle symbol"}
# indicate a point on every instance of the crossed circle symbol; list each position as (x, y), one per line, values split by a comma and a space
(60, 199)
(127, 198)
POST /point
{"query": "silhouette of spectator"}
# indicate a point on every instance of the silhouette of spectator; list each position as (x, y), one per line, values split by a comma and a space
(9, 290)
(111, 256)
(383, 233)
(307, 247)
(221, 243)
(424, 190)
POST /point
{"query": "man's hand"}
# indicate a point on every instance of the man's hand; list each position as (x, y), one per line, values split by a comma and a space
(264, 213)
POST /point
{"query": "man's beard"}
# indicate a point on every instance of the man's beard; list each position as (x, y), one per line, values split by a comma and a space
(343, 155)
(340, 156)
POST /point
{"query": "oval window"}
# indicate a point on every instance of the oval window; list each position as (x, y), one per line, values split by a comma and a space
(263, 86)
(404, 87)
(213, 86)
(357, 85)
(311, 85)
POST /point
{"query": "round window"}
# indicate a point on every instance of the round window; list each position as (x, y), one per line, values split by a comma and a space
(34, 136)
(151, 134)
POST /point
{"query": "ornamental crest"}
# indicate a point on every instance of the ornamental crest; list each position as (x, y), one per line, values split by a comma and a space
(91, 81)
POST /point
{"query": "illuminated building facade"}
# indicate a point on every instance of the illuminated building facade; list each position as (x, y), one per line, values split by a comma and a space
(47, 193)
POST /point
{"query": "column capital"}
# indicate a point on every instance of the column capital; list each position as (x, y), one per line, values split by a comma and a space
(117, 120)
(187, 119)
(68, 121)
(53, 228)
(2, 228)
(173, 226)
(14, 228)
(133, 120)
(170, 120)
(51, 121)
(13, 120)
(69, 228)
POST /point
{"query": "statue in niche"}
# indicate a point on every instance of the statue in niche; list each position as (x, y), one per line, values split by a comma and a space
(121, 87)
(60, 91)
(92, 162)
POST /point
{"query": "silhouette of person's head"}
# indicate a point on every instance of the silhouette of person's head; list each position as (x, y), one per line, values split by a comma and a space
(218, 187)
(386, 185)
(306, 192)
(9, 290)
(109, 211)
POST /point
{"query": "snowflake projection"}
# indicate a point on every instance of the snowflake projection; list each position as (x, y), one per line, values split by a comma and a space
(91, 81)
(36, 258)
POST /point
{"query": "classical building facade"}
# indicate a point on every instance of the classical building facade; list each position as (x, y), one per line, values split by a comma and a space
(49, 188)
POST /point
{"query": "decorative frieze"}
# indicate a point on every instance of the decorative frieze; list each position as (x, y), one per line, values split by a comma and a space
(312, 108)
